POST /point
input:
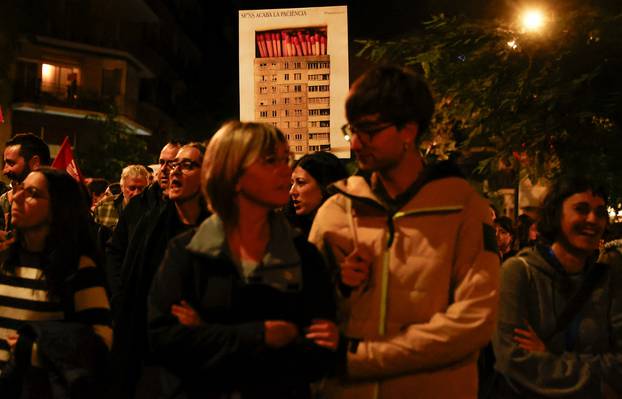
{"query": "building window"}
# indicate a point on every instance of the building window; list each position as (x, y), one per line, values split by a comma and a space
(263, 114)
(59, 80)
(286, 76)
(297, 76)
(27, 79)
(111, 82)
(324, 111)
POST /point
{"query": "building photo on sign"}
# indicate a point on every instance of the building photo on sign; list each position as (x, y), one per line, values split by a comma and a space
(294, 74)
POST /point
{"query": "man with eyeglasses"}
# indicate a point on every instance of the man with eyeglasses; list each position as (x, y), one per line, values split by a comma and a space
(414, 248)
(23, 153)
(182, 210)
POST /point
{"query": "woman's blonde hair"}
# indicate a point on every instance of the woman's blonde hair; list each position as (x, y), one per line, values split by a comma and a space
(232, 149)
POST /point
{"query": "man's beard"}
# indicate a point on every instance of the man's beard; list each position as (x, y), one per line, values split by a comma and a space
(18, 177)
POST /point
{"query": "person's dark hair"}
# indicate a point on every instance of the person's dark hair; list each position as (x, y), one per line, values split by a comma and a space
(97, 186)
(175, 142)
(506, 224)
(324, 167)
(523, 226)
(31, 145)
(549, 225)
(69, 237)
(198, 146)
(397, 94)
(115, 188)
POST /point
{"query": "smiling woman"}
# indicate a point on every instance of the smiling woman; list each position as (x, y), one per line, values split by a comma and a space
(560, 318)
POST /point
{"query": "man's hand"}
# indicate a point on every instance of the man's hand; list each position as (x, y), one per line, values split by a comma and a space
(279, 333)
(324, 333)
(186, 314)
(355, 268)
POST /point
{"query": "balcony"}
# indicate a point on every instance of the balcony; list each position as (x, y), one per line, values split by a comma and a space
(73, 101)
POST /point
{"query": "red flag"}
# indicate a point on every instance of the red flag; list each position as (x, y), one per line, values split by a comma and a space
(64, 160)
(1, 117)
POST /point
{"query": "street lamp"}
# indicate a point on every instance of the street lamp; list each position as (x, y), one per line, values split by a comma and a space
(532, 20)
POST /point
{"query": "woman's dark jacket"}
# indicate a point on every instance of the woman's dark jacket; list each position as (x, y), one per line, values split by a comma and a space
(227, 352)
(145, 252)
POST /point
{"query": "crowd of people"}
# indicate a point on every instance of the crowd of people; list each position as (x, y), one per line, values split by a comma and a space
(237, 272)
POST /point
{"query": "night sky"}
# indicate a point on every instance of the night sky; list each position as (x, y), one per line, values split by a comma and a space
(210, 101)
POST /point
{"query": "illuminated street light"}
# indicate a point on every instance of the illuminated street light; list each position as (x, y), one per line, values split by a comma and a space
(532, 20)
(512, 44)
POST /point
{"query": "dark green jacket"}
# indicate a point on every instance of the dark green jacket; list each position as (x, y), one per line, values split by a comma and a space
(580, 360)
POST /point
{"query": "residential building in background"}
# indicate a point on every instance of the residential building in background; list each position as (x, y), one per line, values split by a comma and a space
(78, 61)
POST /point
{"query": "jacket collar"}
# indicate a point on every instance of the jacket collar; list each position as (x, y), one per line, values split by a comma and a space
(361, 187)
(210, 240)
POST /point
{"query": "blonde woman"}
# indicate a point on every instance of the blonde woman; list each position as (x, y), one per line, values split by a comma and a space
(263, 299)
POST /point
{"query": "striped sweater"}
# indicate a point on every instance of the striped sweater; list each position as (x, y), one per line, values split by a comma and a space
(23, 298)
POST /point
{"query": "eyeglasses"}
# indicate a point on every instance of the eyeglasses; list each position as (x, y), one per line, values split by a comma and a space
(29, 192)
(365, 130)
(185, 166)
(166, 162)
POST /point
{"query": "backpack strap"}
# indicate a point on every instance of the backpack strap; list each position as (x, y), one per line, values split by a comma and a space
(574, 305)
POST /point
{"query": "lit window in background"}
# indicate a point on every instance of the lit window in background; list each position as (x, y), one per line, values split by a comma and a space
(49, 74)
(57, 79)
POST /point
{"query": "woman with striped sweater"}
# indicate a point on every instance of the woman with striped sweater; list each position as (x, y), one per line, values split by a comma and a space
(55, 328)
